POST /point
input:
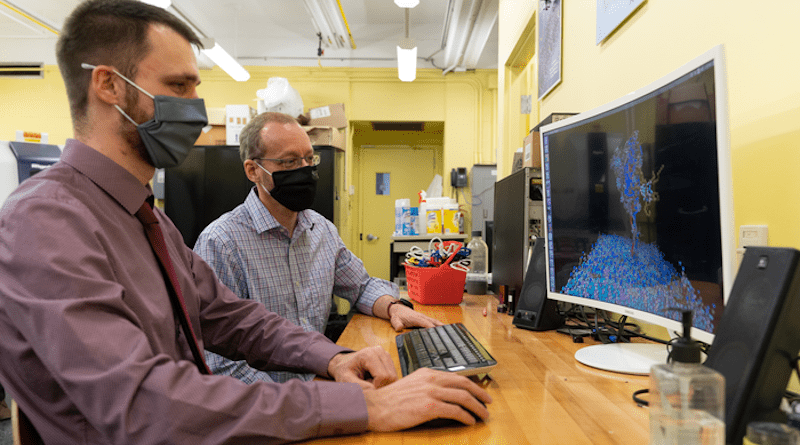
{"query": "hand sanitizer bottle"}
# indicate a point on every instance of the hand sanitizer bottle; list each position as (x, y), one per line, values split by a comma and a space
(687, 399)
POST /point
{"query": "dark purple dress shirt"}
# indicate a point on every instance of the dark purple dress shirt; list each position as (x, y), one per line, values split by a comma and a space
(89, 346)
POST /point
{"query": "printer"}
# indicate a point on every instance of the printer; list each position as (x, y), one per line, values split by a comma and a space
(21, 160)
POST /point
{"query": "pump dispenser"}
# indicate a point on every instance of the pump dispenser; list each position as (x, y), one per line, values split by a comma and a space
(687, 399)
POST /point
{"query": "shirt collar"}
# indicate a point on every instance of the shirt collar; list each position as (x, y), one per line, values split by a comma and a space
(111, 177)
(263, 220)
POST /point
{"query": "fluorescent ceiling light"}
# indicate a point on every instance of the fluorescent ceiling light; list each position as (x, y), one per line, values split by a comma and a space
(160, 3)
(406, 60)
(328, 21)
(467, 28)
(406, 3)
(225, 61)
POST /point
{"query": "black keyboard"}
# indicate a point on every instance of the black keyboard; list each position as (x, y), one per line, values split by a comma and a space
(447, 348)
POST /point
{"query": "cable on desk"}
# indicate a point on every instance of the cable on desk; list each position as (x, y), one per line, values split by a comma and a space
(639, 401)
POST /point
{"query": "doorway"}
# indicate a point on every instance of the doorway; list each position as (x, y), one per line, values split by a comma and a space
(390, 165)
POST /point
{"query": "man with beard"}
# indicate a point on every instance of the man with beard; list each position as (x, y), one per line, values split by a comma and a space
(274, 249)
(104, 312)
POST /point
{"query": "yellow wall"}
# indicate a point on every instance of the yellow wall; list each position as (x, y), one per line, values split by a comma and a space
(465, 102)
(35, 105)
(763, 91)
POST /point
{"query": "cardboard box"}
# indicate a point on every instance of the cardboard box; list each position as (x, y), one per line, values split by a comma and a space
(516, 164)
(531, 157)
(216, 135)
(236, 117)
(327, 136)
(554, 117)
(328, 116)
(216, 116)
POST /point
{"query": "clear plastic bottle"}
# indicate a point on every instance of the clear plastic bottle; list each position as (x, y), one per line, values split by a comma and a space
(687, 399)
(477, 277)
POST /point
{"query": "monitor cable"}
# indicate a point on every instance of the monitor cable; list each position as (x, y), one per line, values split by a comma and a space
(640, 401)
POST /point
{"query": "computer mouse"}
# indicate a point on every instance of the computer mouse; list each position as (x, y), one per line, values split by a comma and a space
(442, 423)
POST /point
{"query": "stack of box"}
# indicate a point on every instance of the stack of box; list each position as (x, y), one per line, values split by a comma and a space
(236, 117)
(214, 134)
(225, 124)
(327, 126)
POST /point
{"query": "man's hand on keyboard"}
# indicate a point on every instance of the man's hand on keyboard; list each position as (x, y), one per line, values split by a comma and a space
(425, 395)
(403, 317)
(370, 367)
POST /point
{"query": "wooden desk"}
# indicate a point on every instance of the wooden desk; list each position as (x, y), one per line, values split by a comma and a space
(541, 394)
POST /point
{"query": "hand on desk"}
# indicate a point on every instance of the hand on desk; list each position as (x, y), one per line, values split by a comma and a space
(370, 367)
(425, 395)
(403, 317)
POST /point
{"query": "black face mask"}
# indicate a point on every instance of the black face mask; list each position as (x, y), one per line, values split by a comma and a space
(294, 189)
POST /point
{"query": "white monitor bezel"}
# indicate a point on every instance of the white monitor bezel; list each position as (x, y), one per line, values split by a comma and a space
(717, 55)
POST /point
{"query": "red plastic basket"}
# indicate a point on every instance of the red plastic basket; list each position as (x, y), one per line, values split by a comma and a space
(436, 285)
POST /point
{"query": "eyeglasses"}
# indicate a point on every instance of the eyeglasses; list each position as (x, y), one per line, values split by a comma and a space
(293, 163)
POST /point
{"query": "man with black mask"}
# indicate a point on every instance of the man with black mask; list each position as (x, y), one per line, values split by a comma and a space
(274, 249)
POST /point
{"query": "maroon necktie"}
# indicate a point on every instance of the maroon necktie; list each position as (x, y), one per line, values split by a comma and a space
(148, 219)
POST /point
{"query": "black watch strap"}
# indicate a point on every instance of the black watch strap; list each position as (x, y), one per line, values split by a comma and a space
(406, 302)
(402, 301)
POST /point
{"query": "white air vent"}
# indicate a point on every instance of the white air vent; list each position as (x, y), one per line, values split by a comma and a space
(22, 70)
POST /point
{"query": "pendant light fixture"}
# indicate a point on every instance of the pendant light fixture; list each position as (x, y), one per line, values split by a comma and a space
(406, 55)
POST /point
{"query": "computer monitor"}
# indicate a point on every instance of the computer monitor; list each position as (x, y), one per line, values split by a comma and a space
(639, 208)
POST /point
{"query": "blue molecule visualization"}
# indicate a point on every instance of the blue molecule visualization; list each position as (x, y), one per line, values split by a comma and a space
(623, 271)
(636, 276)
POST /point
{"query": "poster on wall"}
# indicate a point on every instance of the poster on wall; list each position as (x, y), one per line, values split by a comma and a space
(611, 13)
(549, 46)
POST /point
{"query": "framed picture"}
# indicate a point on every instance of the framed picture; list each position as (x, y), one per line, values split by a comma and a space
(549, 45)
(611, 14)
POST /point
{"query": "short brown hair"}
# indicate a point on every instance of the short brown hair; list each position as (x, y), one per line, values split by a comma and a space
(108, 32)
(250, 144)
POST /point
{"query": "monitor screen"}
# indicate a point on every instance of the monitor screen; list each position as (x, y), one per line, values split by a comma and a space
(638, 201)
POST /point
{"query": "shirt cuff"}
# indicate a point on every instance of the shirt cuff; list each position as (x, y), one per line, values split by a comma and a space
(375, 289)
(322, 353)
(336, 421)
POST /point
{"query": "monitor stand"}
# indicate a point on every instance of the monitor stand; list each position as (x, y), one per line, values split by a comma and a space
(626, 358)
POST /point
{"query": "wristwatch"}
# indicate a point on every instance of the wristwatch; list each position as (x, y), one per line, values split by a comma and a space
(402, 301)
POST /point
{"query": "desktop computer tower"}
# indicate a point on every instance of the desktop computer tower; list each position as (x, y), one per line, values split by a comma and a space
(513, 227)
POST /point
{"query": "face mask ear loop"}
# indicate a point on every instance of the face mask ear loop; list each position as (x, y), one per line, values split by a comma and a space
(262, 168)
(267, 171)
(126, 115)
(87, 66)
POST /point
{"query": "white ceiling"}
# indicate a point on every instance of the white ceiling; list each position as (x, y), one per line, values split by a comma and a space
(263, 32)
